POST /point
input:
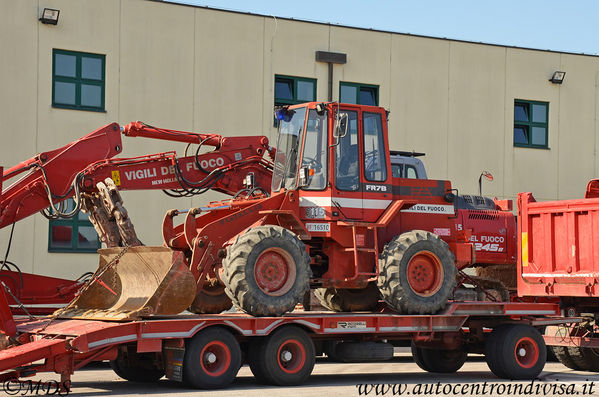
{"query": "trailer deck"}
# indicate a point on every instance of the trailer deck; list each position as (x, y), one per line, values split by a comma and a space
(65, 345)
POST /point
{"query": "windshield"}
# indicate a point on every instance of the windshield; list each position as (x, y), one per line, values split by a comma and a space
(290, 136)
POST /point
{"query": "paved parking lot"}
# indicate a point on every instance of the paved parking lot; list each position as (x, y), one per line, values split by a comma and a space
(334, 379)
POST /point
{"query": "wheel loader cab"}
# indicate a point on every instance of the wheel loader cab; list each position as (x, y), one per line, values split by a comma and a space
(336, 156)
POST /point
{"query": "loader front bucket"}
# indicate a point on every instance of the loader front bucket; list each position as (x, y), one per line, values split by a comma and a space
(144, 281)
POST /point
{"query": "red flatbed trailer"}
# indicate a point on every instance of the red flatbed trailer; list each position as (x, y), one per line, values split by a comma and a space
(205, 350)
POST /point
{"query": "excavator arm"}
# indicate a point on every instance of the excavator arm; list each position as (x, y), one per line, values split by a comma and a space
(52, 177)
(231, 165)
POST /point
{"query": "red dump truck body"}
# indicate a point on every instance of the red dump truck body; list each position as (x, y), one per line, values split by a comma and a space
(559, 246)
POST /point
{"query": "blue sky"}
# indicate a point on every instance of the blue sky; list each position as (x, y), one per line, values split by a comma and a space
(571, 26)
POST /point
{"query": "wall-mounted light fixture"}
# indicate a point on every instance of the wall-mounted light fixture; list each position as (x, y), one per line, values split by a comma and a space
(558, 77)
(50, 16)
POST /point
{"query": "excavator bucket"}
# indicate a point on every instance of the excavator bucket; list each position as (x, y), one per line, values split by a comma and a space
(143, 281)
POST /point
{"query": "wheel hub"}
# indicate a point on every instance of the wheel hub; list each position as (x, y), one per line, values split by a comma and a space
(425, 273)
(527, 352)
(274, 272)
(210, 358)
(286, 356)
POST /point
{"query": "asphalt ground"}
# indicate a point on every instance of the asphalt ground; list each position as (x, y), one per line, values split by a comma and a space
(399, 376)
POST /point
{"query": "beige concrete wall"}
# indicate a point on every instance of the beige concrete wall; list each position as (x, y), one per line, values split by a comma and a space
(206, 70)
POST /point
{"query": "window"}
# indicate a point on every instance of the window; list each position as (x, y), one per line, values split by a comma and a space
(361, 94)
(403, 171)
(375, 166)
(78, 80)
(315, 151)
(347, 171)
(75, 234)
(294, 90)
(530, 124)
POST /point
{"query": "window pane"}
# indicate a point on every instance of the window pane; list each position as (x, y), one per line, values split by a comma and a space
(91, 95)
(521, 134)
(347, 172)
(396, 170)
(65, 65)
(539, 136)
(375, 166)
(539, 114)
(61, 236)
(64, 93)
(348, 94)
(305, 91)
(91, 68)
(315, 151)
(411, 172)
(88, 238)
(367, 96)
(283, 89)
(521, 112)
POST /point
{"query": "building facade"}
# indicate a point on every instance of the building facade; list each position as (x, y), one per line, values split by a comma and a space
(469, 106)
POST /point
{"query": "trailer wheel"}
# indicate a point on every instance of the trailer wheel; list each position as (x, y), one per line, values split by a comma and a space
(349, 300)
(438, 360)
(516, 352)
(284, 358)
(136, 367)
(212, 359)
(211, 299)
(561, 352)
(266, 271)
(417, 273)
(584, 358)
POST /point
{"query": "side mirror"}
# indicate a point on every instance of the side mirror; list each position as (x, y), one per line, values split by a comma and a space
(341, 125)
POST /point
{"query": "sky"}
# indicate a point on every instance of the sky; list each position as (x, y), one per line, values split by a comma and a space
(568, 26)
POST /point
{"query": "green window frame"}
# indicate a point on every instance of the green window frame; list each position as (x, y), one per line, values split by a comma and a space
(531, 124)
(291, 90)
(78, 80)
(76, 234)
(358, 93)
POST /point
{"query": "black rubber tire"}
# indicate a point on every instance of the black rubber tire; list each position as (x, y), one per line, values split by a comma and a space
(253, 358)
(267, 363)
(493, 350)
(502, 352)
(349, 300)
(561, 352)
(223, 346)
(393, 279)
(438, 360)
(356, 352)
(136, 367)
(211, 301)
(563, 356)
(239, 276)
(584, 358)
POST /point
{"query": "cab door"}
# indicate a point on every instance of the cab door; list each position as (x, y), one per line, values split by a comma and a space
(346, 190)
(376, 181)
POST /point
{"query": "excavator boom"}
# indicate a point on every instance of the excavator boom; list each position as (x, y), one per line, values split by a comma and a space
(145, 280)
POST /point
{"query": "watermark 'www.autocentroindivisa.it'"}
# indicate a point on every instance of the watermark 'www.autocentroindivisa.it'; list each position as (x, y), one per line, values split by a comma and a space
(533, 388)
(16, 387)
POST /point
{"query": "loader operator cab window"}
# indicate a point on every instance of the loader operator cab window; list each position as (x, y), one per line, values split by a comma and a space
(375, 166)
(291, 129)
(314, 158)
(347, 170)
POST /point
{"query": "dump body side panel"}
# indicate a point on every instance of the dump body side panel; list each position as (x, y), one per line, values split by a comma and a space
(559, 247)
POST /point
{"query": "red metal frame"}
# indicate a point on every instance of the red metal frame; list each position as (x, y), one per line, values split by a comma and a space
(66, 345)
